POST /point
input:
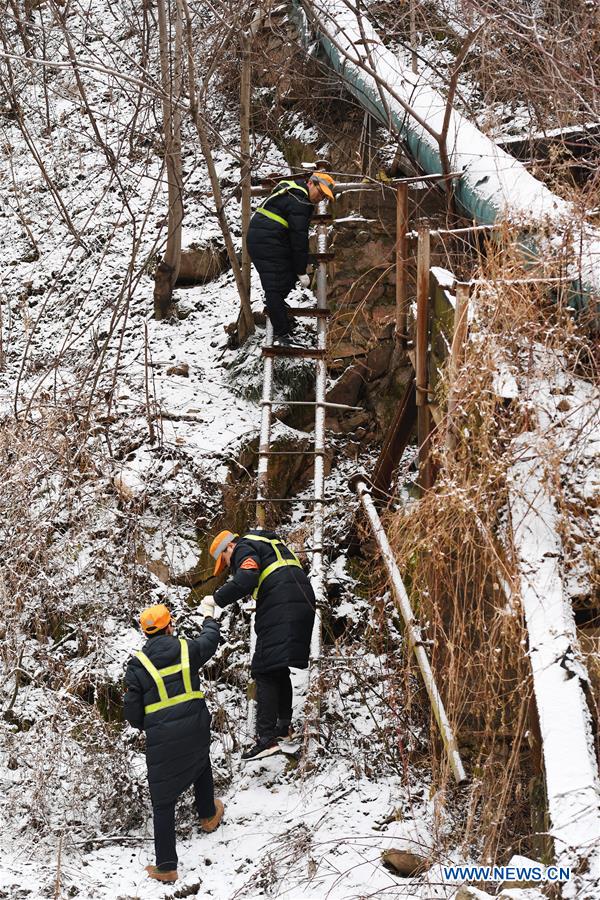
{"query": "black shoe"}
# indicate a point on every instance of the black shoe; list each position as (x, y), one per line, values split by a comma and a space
(283, 729)
(282, 340)
(261, 749)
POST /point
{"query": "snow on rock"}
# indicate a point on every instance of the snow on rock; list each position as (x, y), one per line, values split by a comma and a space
(412, 836)
(520, 894)
(468, 892)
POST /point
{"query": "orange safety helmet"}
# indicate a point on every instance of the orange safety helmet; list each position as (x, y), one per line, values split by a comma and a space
(325, 183)
(217, 547)
(155, 618)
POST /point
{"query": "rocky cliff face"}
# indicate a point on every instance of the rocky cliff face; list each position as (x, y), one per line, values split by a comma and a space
(371, 368)
(362, 297)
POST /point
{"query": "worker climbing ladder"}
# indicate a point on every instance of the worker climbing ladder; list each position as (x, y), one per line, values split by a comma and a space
(318, 354)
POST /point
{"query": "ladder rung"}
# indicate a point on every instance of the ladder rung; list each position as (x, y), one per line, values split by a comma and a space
(327, 255)
(287, 452)
(301, 311)
(286, 500)
(308, 403)
(301, 352)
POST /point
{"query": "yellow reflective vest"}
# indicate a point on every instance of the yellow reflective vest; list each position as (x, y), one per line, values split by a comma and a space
(158, 676)
(282, 188)
(279, 562)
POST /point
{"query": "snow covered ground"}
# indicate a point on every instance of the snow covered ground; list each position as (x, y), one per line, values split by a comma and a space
(283, 835)
(286, 833)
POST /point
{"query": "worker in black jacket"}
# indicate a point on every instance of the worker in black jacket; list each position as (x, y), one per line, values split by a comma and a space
(277, 242)
(164, 698)
(262, 565)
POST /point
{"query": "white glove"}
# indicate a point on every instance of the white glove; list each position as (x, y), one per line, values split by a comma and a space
(304, 281)
(208, 607)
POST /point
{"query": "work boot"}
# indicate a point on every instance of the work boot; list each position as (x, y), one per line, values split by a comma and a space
(292, 324)
(282, 340)
(213, 822)
(283, 729)
(154, 872)
(261, 749)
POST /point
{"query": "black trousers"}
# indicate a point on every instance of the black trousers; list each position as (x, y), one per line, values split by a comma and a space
(273, 702)
(276, 289)
(277, 310)
(164, 819)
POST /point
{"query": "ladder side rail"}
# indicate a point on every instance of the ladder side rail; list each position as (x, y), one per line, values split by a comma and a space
(261, 495)
(317, 576)
(265, 430)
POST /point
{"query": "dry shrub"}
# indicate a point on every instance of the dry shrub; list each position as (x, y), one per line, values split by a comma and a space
(60, 521)
(68, 581)
(454, 545)
(74, 774)
(454, 571)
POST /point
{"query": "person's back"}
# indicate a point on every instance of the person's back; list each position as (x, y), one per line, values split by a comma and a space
(263, 565)
(173, 733)
(285, 603)
(272, 241)
(165, 698)
(277, 241)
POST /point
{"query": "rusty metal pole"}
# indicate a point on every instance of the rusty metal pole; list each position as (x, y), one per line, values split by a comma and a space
(413, 632)
(421, 344)
(401, 229)
(459, 336)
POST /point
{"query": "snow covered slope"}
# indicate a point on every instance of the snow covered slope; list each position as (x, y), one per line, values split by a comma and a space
(113, 458)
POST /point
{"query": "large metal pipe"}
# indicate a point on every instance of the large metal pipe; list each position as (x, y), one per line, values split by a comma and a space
(491, 184)
(413, 631)
(345, 187)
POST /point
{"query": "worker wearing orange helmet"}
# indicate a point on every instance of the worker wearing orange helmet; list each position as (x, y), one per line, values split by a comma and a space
(165, 698)
(277, 242)
(261, 564)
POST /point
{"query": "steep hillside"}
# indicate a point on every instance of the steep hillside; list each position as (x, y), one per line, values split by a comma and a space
(127, 442)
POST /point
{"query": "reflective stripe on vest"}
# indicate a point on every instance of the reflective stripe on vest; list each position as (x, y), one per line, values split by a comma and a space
(280, 561)
(157, 676)
(282, 188)
(272, 215)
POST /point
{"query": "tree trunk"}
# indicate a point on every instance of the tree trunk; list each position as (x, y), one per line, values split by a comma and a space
(246, 310)
(245, 317)
(171, 77)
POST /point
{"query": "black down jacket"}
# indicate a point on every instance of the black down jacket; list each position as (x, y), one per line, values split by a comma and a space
(285, 606)
(280, 254)
(177, 738)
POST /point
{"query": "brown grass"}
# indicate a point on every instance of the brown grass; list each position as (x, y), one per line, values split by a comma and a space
(454, 550)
